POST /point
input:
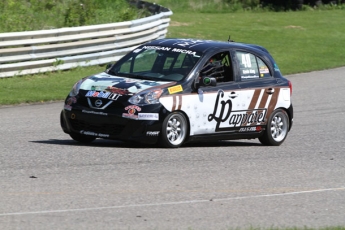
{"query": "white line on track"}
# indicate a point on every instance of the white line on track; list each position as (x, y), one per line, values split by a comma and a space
(172, 203)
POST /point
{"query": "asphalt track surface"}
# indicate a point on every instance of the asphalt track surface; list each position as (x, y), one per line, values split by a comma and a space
(49, 181)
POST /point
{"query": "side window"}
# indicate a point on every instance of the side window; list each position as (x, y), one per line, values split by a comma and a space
(251, 67)
(263, 69)
(219, 66)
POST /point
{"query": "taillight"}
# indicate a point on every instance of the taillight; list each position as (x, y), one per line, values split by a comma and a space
(290, 86)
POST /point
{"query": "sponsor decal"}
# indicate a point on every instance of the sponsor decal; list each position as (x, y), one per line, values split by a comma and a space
(105, 83)
(190, 42)
(131, 112)
(132, 109)
(251, 129)
(103, 94)
(152, 133)
(68, 107)
(131, 116)
(71, 100)
(184, 51)
(89, 133)
(249, 71)
(94, 112)
(118, 91)
(264, 69)
(148, 116)
(276, 68)
(249, 77)
(157, 48)
(223, 114)
(97, 94)
(176, 50)
(175, 89)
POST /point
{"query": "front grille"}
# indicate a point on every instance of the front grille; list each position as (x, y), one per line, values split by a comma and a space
(115, 104)
(110, 129)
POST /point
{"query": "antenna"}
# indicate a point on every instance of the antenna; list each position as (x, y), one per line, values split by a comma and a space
(229, 40)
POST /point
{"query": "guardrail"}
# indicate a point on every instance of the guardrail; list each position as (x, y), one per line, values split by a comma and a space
(31, 52)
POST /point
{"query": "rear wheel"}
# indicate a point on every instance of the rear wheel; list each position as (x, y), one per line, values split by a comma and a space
(174, 130)
(277, 129)
(82, 138)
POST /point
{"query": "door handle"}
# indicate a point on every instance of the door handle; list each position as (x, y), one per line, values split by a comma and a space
(270, 90)
(233, 95)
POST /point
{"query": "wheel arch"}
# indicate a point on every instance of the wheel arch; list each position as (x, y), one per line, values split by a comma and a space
(187, 119)
(289, 112)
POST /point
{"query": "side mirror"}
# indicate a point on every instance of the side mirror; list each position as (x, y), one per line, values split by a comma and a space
(204, 81)
(209, 81)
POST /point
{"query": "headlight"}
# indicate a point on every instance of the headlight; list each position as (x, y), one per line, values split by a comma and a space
(146, 97)
(75, 90)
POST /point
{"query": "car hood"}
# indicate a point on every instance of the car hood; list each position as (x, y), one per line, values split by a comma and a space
(120, 85)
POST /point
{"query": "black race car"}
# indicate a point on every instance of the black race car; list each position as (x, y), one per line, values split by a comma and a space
(171, 91)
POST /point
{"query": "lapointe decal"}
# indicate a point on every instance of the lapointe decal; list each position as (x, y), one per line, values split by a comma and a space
(222, 113)
(175, 89)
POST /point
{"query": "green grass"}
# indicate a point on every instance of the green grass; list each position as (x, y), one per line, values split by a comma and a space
(300, 41)
(42, 87)
(25, 15)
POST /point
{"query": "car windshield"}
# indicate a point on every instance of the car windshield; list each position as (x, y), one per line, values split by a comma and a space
(156, 63)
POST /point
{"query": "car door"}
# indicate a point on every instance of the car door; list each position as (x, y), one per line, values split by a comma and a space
(237, 103)
(259, 91)
(209, 109)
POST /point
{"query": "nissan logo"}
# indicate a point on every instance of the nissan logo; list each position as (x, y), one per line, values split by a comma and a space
(98, 103)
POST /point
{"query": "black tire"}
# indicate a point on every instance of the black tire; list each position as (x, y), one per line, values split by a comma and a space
(174, 130)
(82, 138)
(277, 129)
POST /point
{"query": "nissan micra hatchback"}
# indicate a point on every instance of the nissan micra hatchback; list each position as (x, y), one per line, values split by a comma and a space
(172, 91)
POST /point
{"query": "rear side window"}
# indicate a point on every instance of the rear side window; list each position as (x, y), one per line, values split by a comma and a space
(251, 66)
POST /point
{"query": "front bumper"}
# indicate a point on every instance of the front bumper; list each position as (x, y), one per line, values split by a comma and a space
(110, 126)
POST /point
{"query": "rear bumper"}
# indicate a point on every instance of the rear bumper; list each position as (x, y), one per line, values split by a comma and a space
(290, 111)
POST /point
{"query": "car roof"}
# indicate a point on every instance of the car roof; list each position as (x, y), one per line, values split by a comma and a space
(203, 45)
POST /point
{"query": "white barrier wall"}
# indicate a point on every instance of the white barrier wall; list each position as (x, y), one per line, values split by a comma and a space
(31, 52)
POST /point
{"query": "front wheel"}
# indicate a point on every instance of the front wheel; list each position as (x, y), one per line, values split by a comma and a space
(174, 130)
(82, 138)
(277, 129)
